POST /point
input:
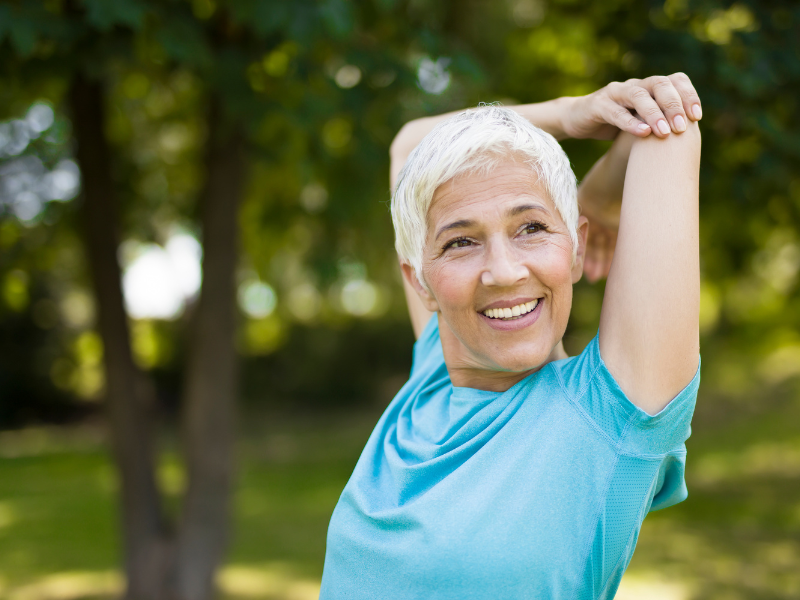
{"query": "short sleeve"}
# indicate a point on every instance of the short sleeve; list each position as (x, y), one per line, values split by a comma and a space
(589, 383)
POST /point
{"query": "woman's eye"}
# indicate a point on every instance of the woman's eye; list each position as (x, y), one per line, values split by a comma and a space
(459, 243)
(533, 228)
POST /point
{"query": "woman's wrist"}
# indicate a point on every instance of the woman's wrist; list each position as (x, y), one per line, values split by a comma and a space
(548, 116)
(566, 107)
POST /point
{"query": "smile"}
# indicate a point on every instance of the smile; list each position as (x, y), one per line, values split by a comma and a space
(507, 314)
(529, 313)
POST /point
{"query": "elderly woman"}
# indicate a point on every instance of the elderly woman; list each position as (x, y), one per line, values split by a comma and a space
(504, 468)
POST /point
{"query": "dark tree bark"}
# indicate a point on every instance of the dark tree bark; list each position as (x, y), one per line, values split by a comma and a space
(163, 562)
(212, 376)
(130, 394)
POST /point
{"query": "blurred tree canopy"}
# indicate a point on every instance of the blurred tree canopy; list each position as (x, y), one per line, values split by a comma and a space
(321, 89)
(316, 90)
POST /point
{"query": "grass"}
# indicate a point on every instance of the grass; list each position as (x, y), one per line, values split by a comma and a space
(737, 537)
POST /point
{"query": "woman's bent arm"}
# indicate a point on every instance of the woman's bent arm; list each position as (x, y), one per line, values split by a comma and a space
(545, 115)
(649, 329)
(600, 200)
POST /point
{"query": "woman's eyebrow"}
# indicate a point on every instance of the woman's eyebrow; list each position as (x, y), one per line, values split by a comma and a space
(526, 207)
(454, 225)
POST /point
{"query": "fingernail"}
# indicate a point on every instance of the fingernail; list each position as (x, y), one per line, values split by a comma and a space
(680, 124)
(644, 127)
(697, 111)
(663, 127)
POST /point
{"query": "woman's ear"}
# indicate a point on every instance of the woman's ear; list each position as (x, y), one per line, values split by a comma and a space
(427, 299)
(580, 255)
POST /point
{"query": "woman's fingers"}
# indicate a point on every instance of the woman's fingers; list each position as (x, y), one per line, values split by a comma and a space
(689, 97)
(658, 105)
(595, 253)
(619, 116)
(650, 109)
(609, 258)
(665, 104)
(669, 100)
(634, 95)
(599, 252)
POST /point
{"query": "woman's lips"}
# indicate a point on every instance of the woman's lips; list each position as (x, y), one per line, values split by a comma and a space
(515, 323)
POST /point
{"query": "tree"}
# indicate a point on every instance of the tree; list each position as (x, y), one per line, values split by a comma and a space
(293, 106)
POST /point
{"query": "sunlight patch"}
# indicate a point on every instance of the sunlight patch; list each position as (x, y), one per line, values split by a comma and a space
(271, 580)
(70, 586)
(645, 586)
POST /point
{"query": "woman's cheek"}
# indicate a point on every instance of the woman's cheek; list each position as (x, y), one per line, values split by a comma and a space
(451, 284)
(555, 266)
(455, 283)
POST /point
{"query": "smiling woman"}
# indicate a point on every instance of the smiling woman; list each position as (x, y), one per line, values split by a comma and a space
(493, 234)
(505, 468)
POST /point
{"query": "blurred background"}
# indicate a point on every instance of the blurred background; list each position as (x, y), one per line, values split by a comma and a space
(201, 317)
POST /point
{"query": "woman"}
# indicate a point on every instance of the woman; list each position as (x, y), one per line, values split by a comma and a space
(503, 468)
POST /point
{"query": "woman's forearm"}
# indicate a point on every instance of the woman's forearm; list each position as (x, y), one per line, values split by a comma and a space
(649, 321)
(600, 192)
(657, 105)
(545, 115)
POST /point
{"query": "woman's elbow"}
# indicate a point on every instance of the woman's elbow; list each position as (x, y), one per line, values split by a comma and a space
(402, 144)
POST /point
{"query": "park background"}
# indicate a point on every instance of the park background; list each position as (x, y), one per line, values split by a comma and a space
(146, 395)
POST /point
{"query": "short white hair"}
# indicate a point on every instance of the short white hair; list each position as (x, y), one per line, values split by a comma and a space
(477, 140)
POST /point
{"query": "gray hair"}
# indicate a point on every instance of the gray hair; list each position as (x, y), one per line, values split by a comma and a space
(477, 140)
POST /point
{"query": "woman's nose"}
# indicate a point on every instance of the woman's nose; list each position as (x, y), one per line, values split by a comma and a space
(502, 268)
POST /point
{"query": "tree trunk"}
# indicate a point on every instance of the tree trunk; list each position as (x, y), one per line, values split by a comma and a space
(161, 563)
(130, 394)
(211, 378)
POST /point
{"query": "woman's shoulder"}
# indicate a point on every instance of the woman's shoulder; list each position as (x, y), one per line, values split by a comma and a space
(575, 373)
(590, 386)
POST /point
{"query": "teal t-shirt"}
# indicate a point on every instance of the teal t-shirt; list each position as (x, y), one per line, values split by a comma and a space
(538, 492)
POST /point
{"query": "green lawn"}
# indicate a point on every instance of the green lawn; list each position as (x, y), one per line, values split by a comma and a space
(738, 535)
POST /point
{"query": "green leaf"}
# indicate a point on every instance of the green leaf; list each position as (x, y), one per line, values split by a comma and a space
(23, 37)
(105, 14)
(338, 17)
(183, 41)
(386, 5)
(5, 20)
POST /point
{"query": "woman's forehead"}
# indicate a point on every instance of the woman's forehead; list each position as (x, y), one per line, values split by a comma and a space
(480, 192)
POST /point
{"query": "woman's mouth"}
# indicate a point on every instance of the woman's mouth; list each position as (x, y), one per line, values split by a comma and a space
(513, 318)
(514, 312)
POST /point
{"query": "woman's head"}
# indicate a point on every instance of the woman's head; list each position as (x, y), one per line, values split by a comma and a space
(487, 222)
(476, 141)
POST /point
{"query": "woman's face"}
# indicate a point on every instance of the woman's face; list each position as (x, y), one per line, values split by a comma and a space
(499, 268)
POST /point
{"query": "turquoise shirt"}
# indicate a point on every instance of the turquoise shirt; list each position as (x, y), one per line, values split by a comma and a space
(538, 492)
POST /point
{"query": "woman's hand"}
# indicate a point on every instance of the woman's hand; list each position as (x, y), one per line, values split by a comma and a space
(600, 199)
(656, 105)
(599, 250)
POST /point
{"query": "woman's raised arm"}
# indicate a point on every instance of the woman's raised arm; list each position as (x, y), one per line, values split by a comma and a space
(657, 105)
(649, 328)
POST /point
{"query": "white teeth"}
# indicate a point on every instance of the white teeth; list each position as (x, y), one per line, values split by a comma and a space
(509, 313)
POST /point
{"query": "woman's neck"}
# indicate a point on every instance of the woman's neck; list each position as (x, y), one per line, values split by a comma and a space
(473, 375)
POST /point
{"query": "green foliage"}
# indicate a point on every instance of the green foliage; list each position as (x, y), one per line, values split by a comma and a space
(104, 16)
(320, 88)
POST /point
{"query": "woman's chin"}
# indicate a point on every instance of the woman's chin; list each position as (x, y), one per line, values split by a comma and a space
(521, 364)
